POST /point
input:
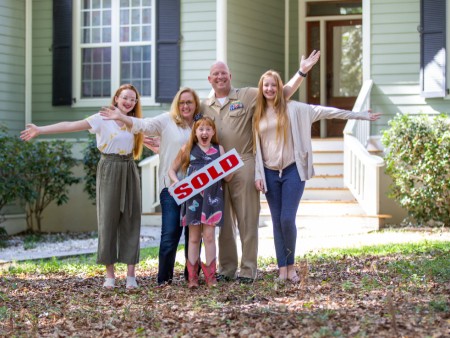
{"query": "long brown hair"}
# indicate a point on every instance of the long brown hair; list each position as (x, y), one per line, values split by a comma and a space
(279, 105)
(186, 155)
(175, 107)
(136, 112)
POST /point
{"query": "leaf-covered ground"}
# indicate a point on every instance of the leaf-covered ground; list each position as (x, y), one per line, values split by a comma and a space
(394, 295)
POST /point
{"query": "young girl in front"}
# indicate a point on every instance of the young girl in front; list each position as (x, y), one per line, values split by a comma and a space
(204, 211)
(118, 185)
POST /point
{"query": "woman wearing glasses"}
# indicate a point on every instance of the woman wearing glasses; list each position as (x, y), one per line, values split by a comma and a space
(118, 184)
(173, 129)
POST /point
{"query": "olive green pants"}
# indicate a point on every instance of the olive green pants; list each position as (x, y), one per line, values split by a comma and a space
(118, 210)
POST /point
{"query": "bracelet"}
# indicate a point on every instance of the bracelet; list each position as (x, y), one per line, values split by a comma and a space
(302, 74)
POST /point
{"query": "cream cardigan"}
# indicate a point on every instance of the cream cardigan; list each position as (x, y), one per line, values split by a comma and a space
(301, 117)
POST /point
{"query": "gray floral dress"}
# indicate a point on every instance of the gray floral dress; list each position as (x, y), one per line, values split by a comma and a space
(207, 206)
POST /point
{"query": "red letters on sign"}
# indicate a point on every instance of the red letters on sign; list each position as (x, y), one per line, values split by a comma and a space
(183, 190)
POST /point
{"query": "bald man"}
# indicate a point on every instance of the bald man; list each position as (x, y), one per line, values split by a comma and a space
(232, 111)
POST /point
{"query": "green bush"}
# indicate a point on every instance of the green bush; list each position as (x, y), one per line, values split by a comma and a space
(13, 184)
(49, 172)
(91, 156)
(418, 160)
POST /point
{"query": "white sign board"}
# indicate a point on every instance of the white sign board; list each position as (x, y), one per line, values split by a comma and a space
(206, 176)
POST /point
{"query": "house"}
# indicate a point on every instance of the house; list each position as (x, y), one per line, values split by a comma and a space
(61, 60)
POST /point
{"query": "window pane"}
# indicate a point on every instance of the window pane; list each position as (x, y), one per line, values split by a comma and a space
(87, 4)
(106, 3)
(124, 3)
(106, 18)
(334, 8)
(86, 35)
(106, 35)
(136, 17)
(96, 35)
(146, 16)
(146, 2)
(124, 17)
(96, 3)
(86, 19)
(146, 33)
(96, 74)
(96, 18)
(136, 34)
(136, 70)
(124, 34)
(135, 3)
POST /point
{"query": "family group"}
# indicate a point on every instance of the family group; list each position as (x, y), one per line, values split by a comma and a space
(271, 134)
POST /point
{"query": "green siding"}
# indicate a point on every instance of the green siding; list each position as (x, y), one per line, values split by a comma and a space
(255, 39)
(12, 64)
(395, 62)
(294, 57)
(198, 44)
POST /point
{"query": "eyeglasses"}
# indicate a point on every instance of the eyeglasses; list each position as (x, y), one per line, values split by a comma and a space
(126, 98)
(182, 103)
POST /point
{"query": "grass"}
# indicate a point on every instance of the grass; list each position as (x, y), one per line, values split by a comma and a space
(412, 265)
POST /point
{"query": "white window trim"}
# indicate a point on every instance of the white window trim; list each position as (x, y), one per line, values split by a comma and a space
(77, 101)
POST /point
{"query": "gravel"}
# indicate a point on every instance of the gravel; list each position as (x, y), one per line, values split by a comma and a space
(63, 244)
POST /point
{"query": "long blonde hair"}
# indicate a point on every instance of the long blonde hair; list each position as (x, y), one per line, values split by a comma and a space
(175, 107)
(136, 112)
(186, 155)
(280, 107)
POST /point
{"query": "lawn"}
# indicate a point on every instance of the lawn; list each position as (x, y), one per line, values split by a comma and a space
(378, 291)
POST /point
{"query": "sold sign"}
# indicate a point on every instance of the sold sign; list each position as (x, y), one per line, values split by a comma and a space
(206, 176)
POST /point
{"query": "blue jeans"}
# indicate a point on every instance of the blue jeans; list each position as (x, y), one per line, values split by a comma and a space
(283, 196)
(171, 230)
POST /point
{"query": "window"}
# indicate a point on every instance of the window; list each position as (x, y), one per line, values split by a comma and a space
(433, 49)
(114, 44)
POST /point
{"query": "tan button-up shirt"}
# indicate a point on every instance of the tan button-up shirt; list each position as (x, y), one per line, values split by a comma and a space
(234, 119)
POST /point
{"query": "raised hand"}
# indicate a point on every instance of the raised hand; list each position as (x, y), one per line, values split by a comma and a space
(30, 132)
(111, 113)
(152, 143)
(307, 64)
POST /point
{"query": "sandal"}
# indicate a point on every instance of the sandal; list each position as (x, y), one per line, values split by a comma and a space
(109, 283)
(131, 283)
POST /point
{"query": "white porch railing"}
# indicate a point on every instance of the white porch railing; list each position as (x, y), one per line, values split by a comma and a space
(361, 169)
(150, 184)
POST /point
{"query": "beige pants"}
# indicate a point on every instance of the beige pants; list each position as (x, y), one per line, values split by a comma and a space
(118, 210)
(241, 211)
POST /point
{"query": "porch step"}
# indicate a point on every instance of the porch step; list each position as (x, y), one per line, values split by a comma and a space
(332, 217)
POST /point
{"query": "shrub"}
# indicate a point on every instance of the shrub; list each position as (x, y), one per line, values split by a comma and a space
(49, 171)
(13, 184)
(91, 156)
(418, 160)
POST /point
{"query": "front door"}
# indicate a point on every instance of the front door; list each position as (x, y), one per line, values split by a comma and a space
(342, 50)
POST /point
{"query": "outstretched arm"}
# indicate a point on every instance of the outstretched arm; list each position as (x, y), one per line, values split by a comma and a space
(305, 66)
(32, 130)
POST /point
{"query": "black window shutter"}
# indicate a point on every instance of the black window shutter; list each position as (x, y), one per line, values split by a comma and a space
(167, 49)
(433, 50)
(62, 53)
